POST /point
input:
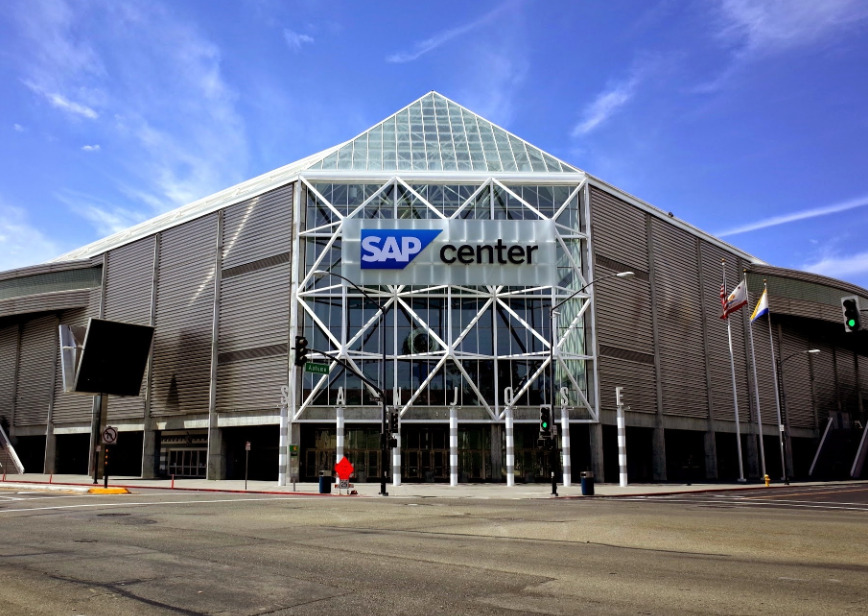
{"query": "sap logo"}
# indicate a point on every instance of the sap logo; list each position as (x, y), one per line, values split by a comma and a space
(394, 248)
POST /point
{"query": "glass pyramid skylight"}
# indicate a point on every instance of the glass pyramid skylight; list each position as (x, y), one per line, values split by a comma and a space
(435, 134)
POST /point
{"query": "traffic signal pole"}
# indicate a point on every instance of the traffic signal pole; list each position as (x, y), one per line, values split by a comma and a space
(553, 341)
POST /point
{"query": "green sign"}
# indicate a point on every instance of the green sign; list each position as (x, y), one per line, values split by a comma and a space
(316, 368)
(293, 450)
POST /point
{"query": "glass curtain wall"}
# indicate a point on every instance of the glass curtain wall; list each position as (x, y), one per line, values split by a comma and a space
(500, 336)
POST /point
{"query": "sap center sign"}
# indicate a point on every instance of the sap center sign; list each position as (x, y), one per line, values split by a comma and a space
(450, 252)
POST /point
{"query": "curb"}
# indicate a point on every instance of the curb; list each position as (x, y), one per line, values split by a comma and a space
(53, 487)
(125, 489)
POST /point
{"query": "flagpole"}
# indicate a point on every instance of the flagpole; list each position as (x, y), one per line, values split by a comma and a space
(759, 417)
(777, 394)
(734, 387)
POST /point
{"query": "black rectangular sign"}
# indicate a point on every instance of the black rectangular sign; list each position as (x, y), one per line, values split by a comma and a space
(113, 358)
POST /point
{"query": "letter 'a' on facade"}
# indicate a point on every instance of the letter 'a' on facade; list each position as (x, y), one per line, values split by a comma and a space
(424, 257)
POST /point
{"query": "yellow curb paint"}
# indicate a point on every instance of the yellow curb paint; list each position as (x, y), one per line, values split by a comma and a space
(108, 491)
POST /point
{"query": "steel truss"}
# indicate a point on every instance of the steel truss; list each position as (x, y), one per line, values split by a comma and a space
(574, 353)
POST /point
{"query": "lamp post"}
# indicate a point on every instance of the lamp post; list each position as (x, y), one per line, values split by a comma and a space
(384, 441)
(553, 312)
(782, 397)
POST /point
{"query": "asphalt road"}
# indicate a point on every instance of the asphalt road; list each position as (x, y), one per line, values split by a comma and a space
(853, 497)
(189, 553)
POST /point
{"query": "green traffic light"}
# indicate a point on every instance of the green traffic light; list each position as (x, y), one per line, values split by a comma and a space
(851, 322)
(545, 424)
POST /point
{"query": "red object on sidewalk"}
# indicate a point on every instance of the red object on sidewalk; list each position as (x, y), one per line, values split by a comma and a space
(344, 468)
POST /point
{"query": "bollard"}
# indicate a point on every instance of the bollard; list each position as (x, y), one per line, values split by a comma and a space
(51, 478)
(172, 487)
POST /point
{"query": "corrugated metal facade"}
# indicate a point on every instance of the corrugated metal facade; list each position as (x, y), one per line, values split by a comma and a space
(258, 228)
(845, 368)
(798, 401)
(680, 321)
(128, 287)
(623, 308)
(184, 318)
(254, 303)
(8, 367)
(37, 358)
(43, 303)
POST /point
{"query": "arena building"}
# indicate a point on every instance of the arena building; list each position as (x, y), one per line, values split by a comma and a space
(423, 259)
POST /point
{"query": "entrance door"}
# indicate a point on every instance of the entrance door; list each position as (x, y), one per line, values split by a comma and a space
(424, 453)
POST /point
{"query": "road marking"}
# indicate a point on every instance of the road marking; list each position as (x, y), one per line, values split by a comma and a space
(189, 502)
(811, 492)
(752, 503)
(812, 502)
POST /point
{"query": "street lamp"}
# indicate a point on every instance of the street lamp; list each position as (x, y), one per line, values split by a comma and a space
(782, 398)
(553, 312)
(384, 441)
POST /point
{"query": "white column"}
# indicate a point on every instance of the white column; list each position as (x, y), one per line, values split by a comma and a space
(622, 447)
(339, 423)
(510, 448)
(453, 446)
(565, 447)
(283, 451)
(396, 458)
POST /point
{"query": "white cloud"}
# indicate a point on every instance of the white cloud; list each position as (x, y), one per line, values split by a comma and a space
(64, 104)
(22, 244)
(840, 267)
(755, 29)
(108, 222)
(18, 128)
(778, 25)
(646, 67)
(61, 102)
(783, 219)
(295, 40)
(106, 217)
(166, 108)
(422, 47)
(605, 106)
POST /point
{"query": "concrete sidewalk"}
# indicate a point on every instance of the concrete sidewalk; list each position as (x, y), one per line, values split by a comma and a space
(80, 483)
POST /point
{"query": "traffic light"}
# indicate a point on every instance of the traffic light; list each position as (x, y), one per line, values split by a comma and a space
(301, 350)
(852, 316)
(391, 427)
(545, 421)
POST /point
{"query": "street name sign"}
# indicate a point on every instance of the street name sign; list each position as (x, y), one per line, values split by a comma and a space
(316, 368)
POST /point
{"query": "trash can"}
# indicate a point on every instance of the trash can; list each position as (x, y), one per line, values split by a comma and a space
(325, 483)
(587, 483)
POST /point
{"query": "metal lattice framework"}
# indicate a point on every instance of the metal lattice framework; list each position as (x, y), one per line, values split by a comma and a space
(323, 306)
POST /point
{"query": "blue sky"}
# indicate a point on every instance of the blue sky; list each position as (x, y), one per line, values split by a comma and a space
(748, 119)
